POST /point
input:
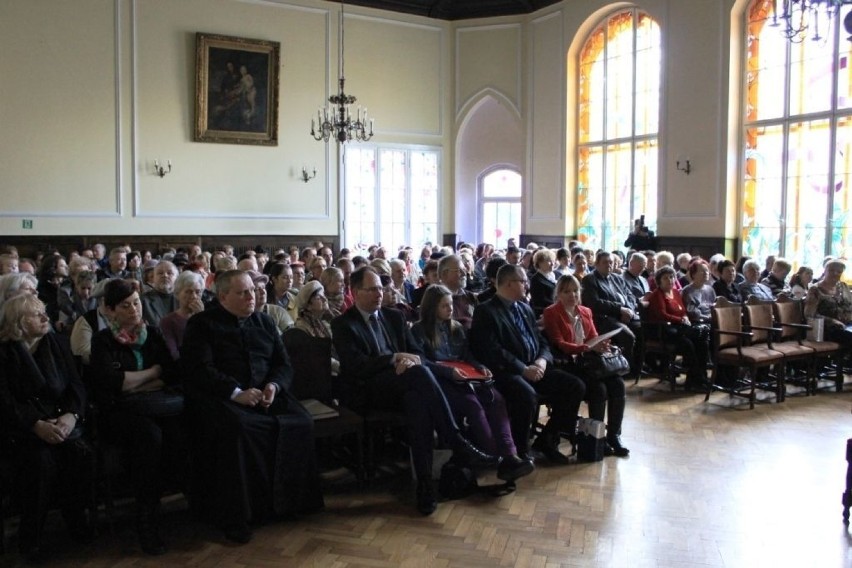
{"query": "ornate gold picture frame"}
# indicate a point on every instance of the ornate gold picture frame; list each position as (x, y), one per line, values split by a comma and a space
(236, 90)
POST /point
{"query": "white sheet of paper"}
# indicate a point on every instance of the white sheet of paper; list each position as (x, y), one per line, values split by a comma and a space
(603, 337)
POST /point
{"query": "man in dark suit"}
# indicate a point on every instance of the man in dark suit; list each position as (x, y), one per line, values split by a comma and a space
(636, 283)
(505, 338)
(613, 306)
(380, 364)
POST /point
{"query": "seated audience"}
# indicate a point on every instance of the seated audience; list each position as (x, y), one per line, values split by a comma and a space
(726, 286)
(78, 302)
(89, 324)
(568, 327)
(134, 380)
(280, 291)
(315, 316)
(430, 276)
(801, 281)
(42, 401)
(751, 286)
(777, 278)
(381, 368)
(8, 264)
(298, 276)
(580, 266)
(453, 275)
(52, 274)
(636, 283)
(189, 288)
(505, 338)
(491, 269)
(399, 280)
(317, 265)
(278, 314)
(698, 297)
(332, 281)
(17, 283)
(666, 307)
(160, 300)
(115, 266)
(480, 406)
(543, 281)
(254, 441)
(832, 299)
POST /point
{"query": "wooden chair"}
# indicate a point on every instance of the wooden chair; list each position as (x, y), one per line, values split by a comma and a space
(760, 317)
(312, 379)
(738, 349)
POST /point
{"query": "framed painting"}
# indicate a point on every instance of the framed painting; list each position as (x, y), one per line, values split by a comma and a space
(236, 90)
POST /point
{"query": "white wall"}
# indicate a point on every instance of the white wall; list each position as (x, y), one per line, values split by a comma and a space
(95, 90)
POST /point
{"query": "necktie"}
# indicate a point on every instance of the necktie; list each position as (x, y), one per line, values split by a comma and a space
(526, 335)
(379, 335)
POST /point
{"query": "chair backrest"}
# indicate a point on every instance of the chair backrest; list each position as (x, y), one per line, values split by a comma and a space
(311, 361)
(727, 316)
(789, 311)
(759, 314)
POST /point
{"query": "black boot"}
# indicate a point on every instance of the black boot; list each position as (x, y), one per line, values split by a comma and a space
(426, 500)
(548, 444)
(465, 452)
(613, 429)
(148, 530)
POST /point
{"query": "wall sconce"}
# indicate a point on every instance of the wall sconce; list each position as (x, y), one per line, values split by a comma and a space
(305, 176)
(160, 170)
(685, 168)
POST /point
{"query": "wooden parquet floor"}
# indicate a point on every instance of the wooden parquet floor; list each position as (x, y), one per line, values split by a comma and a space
(709, 484)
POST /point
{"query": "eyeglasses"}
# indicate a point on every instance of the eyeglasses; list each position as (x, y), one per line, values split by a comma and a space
(373, 290)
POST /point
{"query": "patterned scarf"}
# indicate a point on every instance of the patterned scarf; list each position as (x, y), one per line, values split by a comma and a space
(133, 338)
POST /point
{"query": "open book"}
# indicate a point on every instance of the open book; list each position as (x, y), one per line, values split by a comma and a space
(603, 337)
(319, 410)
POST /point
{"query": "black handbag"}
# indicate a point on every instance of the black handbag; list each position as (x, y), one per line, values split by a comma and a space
(602, 365)
(165, 402)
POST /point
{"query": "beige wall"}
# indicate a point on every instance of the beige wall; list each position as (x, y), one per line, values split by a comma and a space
(95, 90)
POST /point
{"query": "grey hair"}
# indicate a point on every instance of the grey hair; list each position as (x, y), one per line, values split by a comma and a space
(752, 265)
(187, 278)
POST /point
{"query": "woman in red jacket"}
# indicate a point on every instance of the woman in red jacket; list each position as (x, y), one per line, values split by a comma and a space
(665, 306)
(569, 327)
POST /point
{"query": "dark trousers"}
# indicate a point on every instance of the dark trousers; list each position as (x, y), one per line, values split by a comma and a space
(629, 340)
(157, 449)
(693, 343)
(563, 392)
(416, 393)
(607, 395)
(46, 473)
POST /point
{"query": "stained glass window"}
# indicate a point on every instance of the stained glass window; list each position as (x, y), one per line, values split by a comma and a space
(797, 132)
(618, 118)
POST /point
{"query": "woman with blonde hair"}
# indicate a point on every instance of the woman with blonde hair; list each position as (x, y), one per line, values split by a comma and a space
(42, 401)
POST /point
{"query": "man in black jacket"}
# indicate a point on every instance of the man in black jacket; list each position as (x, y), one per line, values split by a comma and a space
(504, 337)
(380, 363)
(255, 441)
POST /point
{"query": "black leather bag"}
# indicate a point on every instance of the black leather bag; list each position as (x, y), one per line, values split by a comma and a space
(155, 404)
(602, 365)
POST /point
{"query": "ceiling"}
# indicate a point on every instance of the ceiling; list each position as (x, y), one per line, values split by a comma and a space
(457, 9)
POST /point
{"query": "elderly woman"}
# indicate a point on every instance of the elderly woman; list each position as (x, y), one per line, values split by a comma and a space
(482, 407)
(332, 281)
(666, 307)
(832, 299)
(569, 326)
(17, 283)
(189, 288)
(726, 286)
(751, 285)
(661, 259)
(79, 302)
(699, 296)
(317, 265)
(41, 404)
(279, 315)
(314, 316)
(134, 379)
(581, 266)
(543, 282)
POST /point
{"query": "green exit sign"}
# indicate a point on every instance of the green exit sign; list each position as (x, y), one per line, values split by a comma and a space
(26, 223)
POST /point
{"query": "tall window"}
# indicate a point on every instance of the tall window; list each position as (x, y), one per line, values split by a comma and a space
(618, 117)
(797, 142)
(390, 196)
(500, 207)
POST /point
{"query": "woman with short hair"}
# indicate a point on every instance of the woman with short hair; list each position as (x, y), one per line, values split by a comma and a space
(543, 282)
(189, 288)
(699, 296)
(832, 299)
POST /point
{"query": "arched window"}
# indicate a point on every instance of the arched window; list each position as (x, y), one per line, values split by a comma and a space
(797, 141)
(618, 118)
(500, 207)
